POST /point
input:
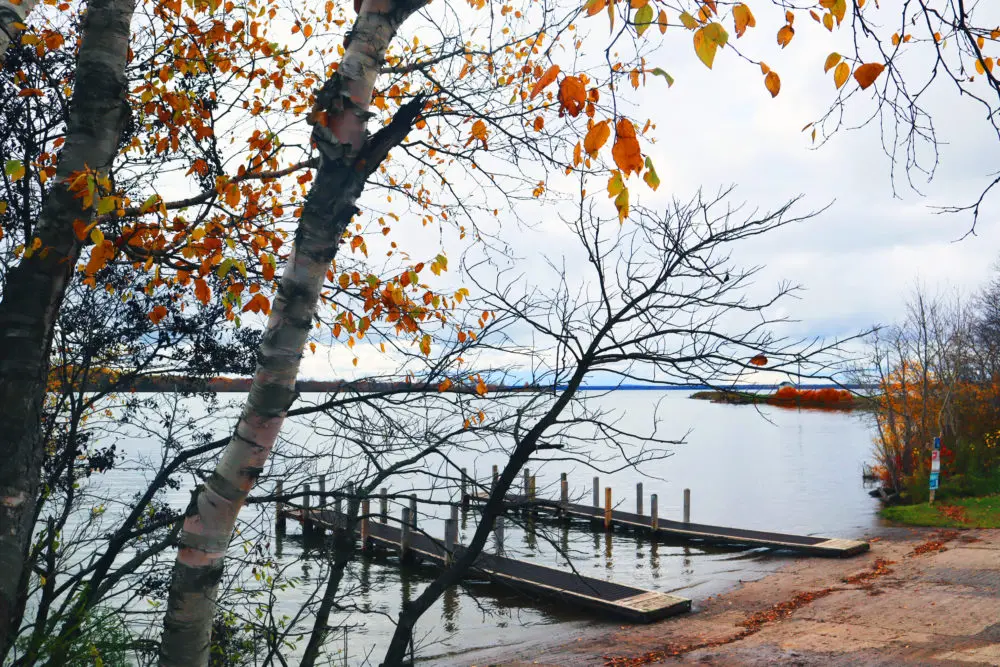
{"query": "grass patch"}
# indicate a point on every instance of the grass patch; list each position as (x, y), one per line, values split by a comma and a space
(981, 512)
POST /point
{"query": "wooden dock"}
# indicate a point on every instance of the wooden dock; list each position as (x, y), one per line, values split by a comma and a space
(816, 546)
(623, 601)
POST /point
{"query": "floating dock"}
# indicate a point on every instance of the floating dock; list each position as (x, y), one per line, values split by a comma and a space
(628, 602)
(647, 523)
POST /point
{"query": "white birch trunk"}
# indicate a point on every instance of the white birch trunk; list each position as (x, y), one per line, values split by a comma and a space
(34, 290)
(211, 517)
(11, 14)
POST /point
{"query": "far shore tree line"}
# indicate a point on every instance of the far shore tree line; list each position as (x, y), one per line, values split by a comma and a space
(213, 187)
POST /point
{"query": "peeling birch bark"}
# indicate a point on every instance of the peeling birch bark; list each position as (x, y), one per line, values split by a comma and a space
(348, 157)
(35, 289)
(12, 13)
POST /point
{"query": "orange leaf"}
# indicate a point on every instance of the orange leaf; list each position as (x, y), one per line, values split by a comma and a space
(840, 74)
(544, 80)
(744, 19)
(572, 95)
(158, 313)
(479, 131)
(596, 137)
(626, 152)
(867, 73)
(233, 195)
(759, 360)
(785, 35)
(202, 291)
(539, 124)
(773, 83)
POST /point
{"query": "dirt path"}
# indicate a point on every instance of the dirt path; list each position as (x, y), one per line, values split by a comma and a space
(928, 597)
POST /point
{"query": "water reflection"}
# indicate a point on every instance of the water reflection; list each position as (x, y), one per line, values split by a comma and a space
(451, 608)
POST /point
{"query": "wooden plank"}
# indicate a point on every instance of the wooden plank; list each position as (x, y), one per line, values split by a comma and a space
(619, 599)
(818, 546)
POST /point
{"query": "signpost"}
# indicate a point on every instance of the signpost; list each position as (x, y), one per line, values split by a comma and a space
(935, 467)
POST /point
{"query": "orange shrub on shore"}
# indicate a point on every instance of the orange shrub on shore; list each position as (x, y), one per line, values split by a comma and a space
(825, 396)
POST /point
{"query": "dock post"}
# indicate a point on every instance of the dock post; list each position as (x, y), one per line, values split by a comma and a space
(307, 525)
(337, 507)
(365, 511)
(527, 479)
(383, 509)
(404, 535)
(465, 490)
(321, 500)
(638, 498)
(450, 537)
(496, 477)
(279, 511)
(654, 518)
(498, 534)
(413, 511)
(563, 493)
(454, 514)
(597, 492)
(687, 505)
(607, 508)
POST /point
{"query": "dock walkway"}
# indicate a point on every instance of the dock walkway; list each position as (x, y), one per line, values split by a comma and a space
(627, 602)
(816, 546)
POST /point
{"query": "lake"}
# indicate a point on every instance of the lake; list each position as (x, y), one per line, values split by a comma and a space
(753, 467)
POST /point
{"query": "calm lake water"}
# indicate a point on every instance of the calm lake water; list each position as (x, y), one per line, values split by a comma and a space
(768, 468)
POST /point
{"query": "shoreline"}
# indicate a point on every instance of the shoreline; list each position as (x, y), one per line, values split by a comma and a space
(920, 596)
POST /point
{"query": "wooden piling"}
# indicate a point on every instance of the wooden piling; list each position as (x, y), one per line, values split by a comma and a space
(413, 511)
(527, 478)
(321, 500)
(654, 514)
(383, 509)
(338, 520)
(563, 491)
(687, 505)
(307, 524)
(496, 477)
(607, 508)
(365, 529)
(279, 510)
(498, 534)
(597, 492)
(638, 498)
(450, 538)
(465, 490)
(404, 535)
(454, 514)
(531, 489)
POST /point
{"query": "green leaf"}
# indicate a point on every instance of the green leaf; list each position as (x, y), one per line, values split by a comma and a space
(224, 267)
(643, 18)
(659, 71)
(105, 205)
(14, 169)
(704, 47)
(651, 178)
(150, 202)
(689, 21)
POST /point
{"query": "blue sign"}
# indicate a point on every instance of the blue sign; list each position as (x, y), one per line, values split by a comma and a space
(934, 481)
(937, 443)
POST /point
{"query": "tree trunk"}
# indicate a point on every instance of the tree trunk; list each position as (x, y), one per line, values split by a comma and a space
(12, 13)
(348, 158)
(35, 289)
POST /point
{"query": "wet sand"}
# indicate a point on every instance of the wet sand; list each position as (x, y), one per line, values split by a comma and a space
(919, 597)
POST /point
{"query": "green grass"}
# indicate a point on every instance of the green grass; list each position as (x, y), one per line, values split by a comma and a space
(981, 512)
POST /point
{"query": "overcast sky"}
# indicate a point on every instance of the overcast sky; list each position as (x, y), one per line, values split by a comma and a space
(857, 260)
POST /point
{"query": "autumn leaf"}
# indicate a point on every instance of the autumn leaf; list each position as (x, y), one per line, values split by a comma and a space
(773, 83)
(785, 35)
(621, 203)
(643, 18)
(867, 73)
(840, 74)
(743, 18)
(707, 40)
(596, 137)
(626, 152)
(425, 345)
(445, 385)
(233, 195)
(831, 61)
(658, 71)
(661, 21)
(689, 21)
(572, 95)
(759, 360)
(14, 169)
(548, 77)
(202, 291)
(615, 183)
(157, 314)
(539, 124)
(650, 176)
(480, 132)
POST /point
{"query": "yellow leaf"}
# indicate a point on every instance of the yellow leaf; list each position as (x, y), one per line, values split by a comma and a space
(615, 184)
(650, 176)
(425, 345)
(643, 19)
(689, 21)
(867, 73)
(841, 74)
(704, 47)
(96, 236)
(621, 203)
(773, 83)
(831, 61)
